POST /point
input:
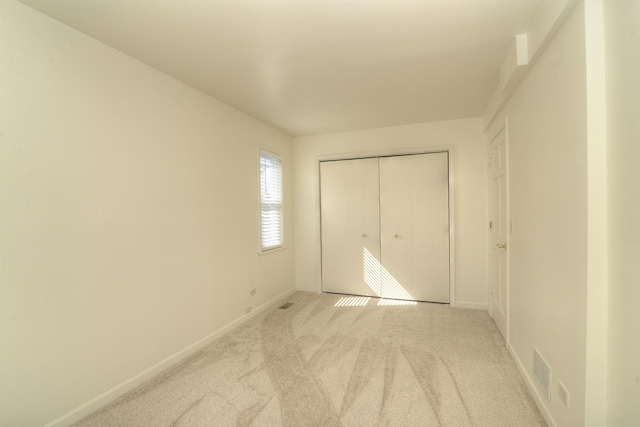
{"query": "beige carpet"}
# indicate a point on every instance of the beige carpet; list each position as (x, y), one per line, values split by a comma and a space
(331, 360)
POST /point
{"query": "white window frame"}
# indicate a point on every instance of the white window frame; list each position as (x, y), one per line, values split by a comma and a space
(268, 153)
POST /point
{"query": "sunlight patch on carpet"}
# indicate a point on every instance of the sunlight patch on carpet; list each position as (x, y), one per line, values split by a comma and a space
(352, 302)
(396, 302)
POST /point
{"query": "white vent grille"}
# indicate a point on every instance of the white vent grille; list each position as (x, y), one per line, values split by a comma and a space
(542, 373)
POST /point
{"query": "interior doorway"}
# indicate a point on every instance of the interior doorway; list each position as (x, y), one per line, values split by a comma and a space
(499, 225)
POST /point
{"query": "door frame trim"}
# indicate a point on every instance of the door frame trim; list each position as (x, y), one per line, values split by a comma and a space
(449, 149)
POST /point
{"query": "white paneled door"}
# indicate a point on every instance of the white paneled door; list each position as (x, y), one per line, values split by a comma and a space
(385, 227)
(414, 227)
(499, 284)
(350, 226)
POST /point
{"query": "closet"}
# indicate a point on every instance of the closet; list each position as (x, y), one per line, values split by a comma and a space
(385, 226)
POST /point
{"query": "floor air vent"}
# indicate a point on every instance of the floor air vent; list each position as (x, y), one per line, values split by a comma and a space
(542, 373)
(286, 305)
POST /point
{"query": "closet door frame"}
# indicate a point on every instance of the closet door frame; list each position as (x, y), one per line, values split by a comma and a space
(389, 153)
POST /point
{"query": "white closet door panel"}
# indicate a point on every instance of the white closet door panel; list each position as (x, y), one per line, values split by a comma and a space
(350, 227)
(414, 215)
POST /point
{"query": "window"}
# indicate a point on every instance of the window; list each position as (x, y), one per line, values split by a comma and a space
(270, 201)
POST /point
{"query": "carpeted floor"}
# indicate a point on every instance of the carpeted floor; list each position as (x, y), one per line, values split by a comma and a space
(331, 360)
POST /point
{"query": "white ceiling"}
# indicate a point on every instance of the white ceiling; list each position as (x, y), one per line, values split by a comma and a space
(317, 66)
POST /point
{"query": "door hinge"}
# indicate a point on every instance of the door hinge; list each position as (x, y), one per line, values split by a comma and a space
(490, 225)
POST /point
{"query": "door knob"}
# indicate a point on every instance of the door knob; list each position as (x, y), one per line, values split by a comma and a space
(502, 246)
(364, 235)
(396, 236)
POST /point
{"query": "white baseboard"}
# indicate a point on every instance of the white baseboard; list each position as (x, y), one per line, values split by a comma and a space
(474, 305)
(532, 387)
(110, 395)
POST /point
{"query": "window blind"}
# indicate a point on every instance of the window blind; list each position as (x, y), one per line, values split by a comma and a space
(270, 200)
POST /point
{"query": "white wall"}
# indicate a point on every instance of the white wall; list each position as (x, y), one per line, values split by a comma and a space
(547, 137)
(622, 21)
(129, 217)
(470, 193)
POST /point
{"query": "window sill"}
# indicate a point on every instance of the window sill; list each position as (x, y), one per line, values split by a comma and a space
(270, 251)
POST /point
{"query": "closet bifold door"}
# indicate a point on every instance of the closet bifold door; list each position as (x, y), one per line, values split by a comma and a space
(414, 227)
(350, 224)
